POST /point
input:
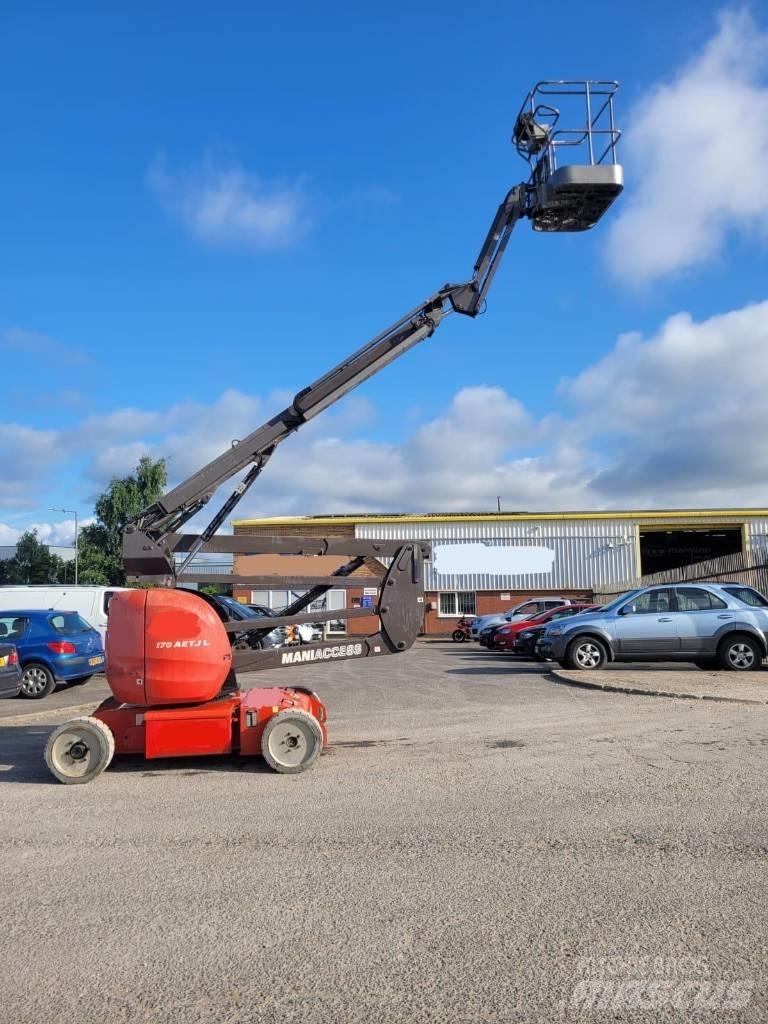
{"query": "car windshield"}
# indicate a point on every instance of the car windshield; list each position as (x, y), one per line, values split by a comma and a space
(242, 611)
(68, 623)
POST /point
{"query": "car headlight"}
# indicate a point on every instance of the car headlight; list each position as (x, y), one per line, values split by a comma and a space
(526, 635)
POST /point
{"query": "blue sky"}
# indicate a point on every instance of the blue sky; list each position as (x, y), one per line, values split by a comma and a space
(204, 209)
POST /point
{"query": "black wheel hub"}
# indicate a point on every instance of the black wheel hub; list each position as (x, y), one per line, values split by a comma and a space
(78, 751)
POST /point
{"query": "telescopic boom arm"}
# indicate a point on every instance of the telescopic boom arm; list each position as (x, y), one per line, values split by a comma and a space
(568, 198)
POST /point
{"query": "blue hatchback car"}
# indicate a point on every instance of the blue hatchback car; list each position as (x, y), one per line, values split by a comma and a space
(53, 647)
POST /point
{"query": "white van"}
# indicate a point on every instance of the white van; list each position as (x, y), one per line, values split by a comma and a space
(91, 602)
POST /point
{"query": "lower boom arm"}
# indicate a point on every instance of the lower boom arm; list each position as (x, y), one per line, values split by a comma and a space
(148, 546)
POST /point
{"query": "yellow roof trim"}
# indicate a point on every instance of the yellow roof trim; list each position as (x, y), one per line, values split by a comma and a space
(681, 513)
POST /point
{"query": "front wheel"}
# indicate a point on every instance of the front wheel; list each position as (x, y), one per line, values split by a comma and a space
(458, 636)
(292, 741)
(739, 653)
(37, 681)
(79, 750)
(586, 653)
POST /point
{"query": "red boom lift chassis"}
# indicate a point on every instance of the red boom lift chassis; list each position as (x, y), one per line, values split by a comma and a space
(171, 666)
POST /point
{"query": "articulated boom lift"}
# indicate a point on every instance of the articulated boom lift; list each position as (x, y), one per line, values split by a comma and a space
(170, 664)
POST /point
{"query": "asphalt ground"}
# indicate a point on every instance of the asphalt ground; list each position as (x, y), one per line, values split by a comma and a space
(478, 842)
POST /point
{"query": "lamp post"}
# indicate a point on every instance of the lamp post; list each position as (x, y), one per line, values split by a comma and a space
(73, 512)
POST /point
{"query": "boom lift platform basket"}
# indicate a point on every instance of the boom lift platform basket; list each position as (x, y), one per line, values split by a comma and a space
(170, 664)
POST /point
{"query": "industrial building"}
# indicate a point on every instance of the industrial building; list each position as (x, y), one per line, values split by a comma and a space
(565, 553)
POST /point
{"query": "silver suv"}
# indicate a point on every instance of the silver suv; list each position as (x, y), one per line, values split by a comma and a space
(720, 625)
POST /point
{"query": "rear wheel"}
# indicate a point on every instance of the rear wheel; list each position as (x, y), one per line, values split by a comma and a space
(37, 681)
(292, 741)
(458, 636)
(586, 653)
(739, 653)
(79, 750)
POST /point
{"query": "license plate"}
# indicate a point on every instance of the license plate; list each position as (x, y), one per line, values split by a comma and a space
(95, 661)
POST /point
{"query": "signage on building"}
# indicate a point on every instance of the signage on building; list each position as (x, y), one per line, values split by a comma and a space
(492, 559)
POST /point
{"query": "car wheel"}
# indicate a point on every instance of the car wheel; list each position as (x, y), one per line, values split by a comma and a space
(36, 681)
(80, 680)
(585, 653)
(739, 653)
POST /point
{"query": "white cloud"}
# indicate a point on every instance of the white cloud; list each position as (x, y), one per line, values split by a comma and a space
(697, 151)
(231, 206)
(678, 418)
(27, 455)
(61, 533)
(37, 345)
(686, 410)
(8, 535)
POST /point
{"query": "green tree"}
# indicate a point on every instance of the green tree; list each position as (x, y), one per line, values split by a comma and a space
(217, 589)
(101, 557)
(32, 563)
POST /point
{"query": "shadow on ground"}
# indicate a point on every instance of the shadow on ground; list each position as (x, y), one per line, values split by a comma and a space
(21, 760)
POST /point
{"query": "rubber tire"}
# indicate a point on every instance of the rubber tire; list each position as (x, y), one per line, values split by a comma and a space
(101, 734)
(80, 680)
(280, 719)
(742, 638)
(50, 682)
(570, 654)
(458, 636)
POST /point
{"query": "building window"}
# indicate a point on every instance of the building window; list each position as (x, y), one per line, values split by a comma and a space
(452, 605)
(333, 600)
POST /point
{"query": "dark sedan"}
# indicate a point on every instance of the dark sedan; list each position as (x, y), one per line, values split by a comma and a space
(10, 671)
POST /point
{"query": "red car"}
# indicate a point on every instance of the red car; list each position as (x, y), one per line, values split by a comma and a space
(503, 638)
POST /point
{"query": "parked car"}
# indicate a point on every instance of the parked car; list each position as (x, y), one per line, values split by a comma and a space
(712, 625)
(231, 610)
(92, 603)
(53, 647)
(526, 610)
(505, 638)
(305, 633)
(302, 633)
(10, 671)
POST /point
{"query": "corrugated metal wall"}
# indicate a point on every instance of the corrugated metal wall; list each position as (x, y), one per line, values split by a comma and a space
(588, 552)
(757, 533)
